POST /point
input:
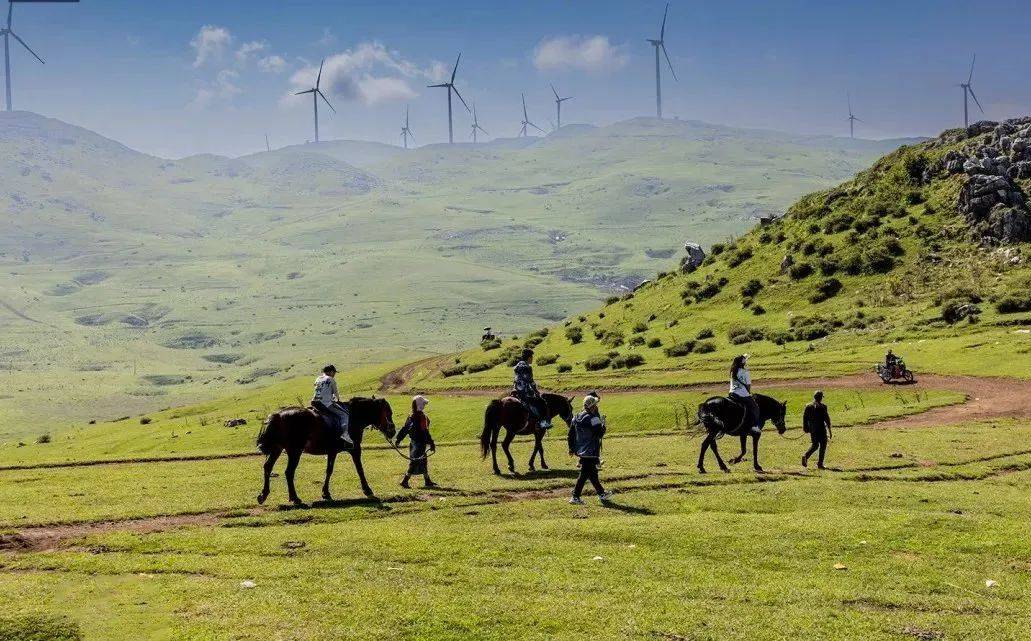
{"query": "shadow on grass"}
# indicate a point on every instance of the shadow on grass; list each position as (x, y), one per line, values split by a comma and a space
(628, 509)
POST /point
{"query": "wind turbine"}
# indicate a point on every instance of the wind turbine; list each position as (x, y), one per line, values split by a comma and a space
(661, 44)
(968, 92)
(268, 147)
(451, 87)
(526, 120)
(406, 130)
(852, 120)
(558, 105)
(315, 93)
(476, 124)
(8, 34)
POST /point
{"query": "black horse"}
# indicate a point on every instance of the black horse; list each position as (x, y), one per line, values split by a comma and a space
(301, 429)
(510, 413)
(721, 415)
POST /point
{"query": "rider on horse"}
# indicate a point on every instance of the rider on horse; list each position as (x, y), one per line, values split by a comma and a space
(741, 391)
(326, 402)
(525, 389)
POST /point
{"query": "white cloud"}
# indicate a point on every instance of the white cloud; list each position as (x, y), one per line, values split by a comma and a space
(587, 53)
(221, 91)
(327, 39)
(272, 64)
(248, 49)
(369, 73)
(210, 43)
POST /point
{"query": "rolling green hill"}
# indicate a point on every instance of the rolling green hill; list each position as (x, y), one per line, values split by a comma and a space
(903, 255)
(133, 282)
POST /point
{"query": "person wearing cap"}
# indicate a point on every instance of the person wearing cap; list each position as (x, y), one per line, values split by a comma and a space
(741, 391)
(525, 389)
(585, 442)
(816, 421)
(417, 428)
(327, 401)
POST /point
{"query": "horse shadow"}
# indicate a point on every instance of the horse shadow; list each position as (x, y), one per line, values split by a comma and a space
(628, 509)
(542, 474)
(322, 504)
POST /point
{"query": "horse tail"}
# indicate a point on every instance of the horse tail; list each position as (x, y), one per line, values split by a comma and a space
(490, 422)
(709, 419)
(267, 435)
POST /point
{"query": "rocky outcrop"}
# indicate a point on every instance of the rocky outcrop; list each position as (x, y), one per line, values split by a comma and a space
(694, 258)
(991, 201)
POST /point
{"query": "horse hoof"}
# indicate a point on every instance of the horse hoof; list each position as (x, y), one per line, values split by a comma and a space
(760, 470)
(531, 469)
(369, 493)
(326, 496)
(261, 498)
(725, 468)
(701, 470)
(545, 467)
(298, 503)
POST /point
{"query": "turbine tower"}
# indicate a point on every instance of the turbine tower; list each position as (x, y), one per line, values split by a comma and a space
(315, 93)
(661, 44)
(451, 87)
(558, 106)
(852, 120)
(476, 124)
(406, 130)
(968, 92)
(526, 120)
(8, 34)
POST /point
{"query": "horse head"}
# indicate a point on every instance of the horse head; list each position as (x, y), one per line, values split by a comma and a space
(385, 415)
(562, 405)
(779, 417)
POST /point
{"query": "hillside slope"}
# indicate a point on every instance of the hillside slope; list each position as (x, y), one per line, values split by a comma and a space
(926, 252)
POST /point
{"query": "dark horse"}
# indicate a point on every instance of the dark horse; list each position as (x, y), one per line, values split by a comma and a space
(720, 415)
(301, 429)
(509, 413)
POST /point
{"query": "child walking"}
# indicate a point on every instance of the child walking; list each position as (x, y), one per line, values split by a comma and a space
(585, 442)
(417, 429)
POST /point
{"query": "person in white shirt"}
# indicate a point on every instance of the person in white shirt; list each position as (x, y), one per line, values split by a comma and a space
(327, 401)
(741, 391)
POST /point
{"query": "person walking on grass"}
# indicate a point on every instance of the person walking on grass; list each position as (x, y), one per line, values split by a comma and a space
(585, 442)
(417, 429)
(816, 421)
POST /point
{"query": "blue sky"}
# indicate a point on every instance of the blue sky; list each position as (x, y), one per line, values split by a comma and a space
(176, 78)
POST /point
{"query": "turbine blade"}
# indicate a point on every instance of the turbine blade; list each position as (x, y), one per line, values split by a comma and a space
(971, 76)
(536, 127)
(482, 129)
(318, 79)
(525, 117)
(849, 103)
(26, 46)
(10, 11)
(460, 97)
(858, 119)
(305, 91)
(668, 61)
(443, 84)
(455, 70)
(556, 93)
(974, 96)
(662, 31)
(319, 91)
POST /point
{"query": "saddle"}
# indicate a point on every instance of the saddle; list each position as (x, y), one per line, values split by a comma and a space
(328, 420)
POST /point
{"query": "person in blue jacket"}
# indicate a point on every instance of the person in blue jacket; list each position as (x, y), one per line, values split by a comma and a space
(585, 442)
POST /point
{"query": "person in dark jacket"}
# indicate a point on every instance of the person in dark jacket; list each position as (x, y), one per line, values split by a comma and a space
(585, 442)
(817, 421)
(417, 428)
(525, 389)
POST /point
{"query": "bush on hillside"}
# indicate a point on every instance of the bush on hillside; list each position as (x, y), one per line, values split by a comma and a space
(547, 359)
(957, 309)
(705, 333)
(825, 289)
(809, 328)
(736, 258)
(640, 327)
(751, 288)
(705, 347)
(654, 342)
(480, 367)
(717, 249)
(758, 310)
(454, 370)
(827, 266)
(612, 338)
(595, 363)
(43, 438)
(38, 628)
(627, 361)
(1014, 302)
(490, 344)
(564, 367)
(798, 271)
(574, 334)
(636, 341)
(740, 335)
(612, 300)
(680, 349)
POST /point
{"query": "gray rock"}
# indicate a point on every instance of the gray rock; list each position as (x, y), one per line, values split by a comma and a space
(695, 254)
(1020, 170)
(1009, 224)
(981, 127)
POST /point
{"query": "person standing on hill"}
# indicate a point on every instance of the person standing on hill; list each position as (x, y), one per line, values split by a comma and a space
(741, 391)
(417, 427)
(816, 421)
(525, 389)
(585, 442)
(327, 401)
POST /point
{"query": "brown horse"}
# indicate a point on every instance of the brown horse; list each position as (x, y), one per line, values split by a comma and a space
(510, 413)
(301, 429)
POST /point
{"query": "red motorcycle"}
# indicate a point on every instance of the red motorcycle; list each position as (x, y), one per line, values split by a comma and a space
(896, 371)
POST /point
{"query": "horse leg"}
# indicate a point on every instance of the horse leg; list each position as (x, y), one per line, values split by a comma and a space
(356, 456)
(701, 455)
(744, 450)
(293, 457)
(537, 436)
(509, 437)
(330, 460)
(755, 454)
(540, 450)
(719, 459)
(270, 462)
(494, 449)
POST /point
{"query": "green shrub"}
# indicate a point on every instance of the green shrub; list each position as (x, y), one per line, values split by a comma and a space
(717, 249)
(627, 361)
(706, 292)
(758, 310)
(827, 266)
(957, 309)
(736, 258)
(705, 347)
(595, 363)
(751, 288)
(491, 344)
(680, 349)
(456, 370)
(547, 359)
(38, 628)
(564, 367)
(636, 341)
(530, 343)
(640, 327)
(654, 342)
(480, 367)
(705, 333)
(612, 338)
(741, 335)
(611, 300)
(798, 271)
(574, 334)
(43, 438)
(1014, 302)
(825, 289)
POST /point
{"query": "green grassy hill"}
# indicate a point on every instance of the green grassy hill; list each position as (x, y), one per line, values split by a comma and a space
(137, 282)
(884, 259)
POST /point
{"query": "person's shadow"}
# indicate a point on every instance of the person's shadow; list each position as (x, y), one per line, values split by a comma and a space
(628, 509)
